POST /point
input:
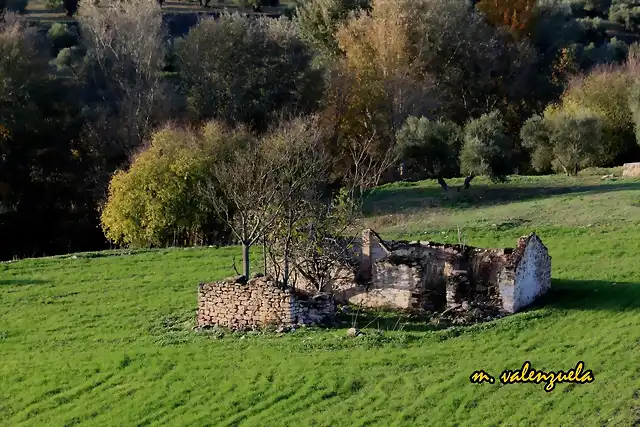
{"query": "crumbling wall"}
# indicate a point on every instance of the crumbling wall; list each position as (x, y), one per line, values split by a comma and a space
(526, 276)
(631, 170)
(428, 276)
(238, 304)
(419, 276)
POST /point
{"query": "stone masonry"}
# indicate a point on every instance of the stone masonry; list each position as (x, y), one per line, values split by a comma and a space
(631, 170)
(412, 276)
(428, 276)
(239, 304)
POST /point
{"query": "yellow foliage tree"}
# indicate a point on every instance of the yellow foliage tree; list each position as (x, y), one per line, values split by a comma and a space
(154, 201)
(604, 93)
(375, 86)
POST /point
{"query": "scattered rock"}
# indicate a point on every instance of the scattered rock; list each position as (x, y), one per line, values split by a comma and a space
(465, 306)
(353, 332)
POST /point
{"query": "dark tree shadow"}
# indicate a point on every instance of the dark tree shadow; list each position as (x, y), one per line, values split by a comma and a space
(564, 295)
(592, 295)
(21, 282)
(412, 198)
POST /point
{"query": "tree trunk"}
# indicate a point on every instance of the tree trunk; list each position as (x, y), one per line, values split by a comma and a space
(467, 181)
(285, 272)
(443, 184)
(245, 260)
(264, 254)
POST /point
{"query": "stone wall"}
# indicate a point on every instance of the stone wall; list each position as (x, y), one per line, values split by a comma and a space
(631, 170)
(419, 276)
(412, 276)
(527, 275)
(238, 304)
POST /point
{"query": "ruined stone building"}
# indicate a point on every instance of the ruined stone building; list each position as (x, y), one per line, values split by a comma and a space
(410, 276)
(419, 276)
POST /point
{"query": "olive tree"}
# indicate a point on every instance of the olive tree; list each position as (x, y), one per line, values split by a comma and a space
(485, 149)
(564, 142)
(429, 149)
(576, 142)
(535, 135)
(244, 70)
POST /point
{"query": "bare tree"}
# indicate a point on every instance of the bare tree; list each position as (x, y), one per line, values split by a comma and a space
(311, 234)
(300, 147)
(125, 42)
(256, 182)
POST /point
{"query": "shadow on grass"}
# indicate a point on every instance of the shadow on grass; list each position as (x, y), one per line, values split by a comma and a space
(406, 198)
(21, 282)
(592, 295)
(564, 295)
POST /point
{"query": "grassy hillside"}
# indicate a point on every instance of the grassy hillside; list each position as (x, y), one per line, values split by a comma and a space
(105, 338)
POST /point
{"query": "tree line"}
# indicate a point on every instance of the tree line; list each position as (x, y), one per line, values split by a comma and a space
(270, 132)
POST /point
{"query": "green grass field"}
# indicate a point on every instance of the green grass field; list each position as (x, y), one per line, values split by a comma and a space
(106, 339)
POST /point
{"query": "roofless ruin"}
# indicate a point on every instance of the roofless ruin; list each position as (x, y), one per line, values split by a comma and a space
(416, 277)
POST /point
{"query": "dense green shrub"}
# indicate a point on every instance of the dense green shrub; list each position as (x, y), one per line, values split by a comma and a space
(563, 142)
(247, 70)
(62, 36)
(486, 148)
(156, 200)
(428, 149)
(69, 57)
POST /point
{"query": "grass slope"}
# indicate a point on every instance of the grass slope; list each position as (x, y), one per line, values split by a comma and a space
(104, 339)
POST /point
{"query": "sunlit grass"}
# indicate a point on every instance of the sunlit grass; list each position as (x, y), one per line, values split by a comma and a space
(105, 339)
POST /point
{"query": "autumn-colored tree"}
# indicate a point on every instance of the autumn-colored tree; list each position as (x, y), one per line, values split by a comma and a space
(154, 202)
(375, 86)
(604, 92)
(564, 66)
(519, 16)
